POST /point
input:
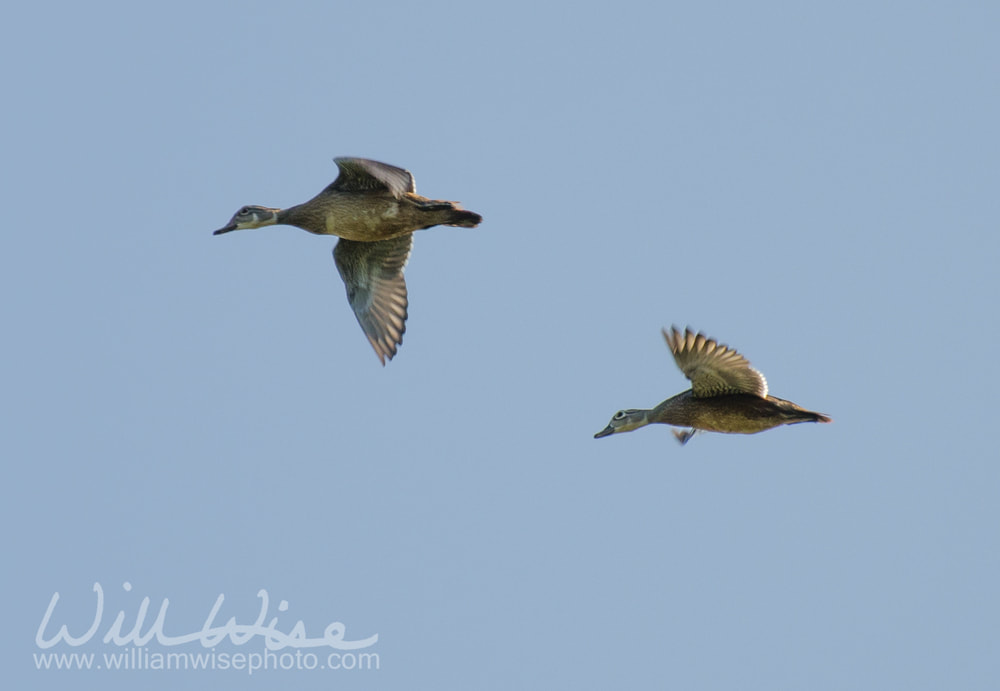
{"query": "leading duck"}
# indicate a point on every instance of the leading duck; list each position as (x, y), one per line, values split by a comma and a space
(374, 209)
(726, 395)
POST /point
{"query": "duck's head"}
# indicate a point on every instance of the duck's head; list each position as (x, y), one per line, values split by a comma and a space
(250, 217)
(624, 421)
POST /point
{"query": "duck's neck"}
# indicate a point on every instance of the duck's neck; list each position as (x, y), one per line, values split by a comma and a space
(286, 217)
(300, 217)
(667, 411)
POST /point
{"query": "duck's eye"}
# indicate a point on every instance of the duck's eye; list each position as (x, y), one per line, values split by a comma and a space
(619, 415)
(244, 211)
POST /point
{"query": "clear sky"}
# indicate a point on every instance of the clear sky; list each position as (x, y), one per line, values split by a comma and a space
(198, 416)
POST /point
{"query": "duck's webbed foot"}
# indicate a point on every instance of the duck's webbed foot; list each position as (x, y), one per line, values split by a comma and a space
(684, 435)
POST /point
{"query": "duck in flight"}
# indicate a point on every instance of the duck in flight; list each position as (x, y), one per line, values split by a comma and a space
(726, 395)
(374, 209)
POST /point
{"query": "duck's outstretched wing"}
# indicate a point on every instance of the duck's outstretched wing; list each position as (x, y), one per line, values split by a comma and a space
(373, 275)
(713, 368)
(363, 175)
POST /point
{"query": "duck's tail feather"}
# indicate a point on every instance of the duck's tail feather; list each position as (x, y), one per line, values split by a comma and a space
(796, 416)
(464, 219)
(794, 413)
(453, 214)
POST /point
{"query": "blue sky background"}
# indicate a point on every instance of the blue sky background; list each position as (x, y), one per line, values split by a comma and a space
(197, 415)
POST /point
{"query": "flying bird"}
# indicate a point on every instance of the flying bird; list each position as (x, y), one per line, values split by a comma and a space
(374, 209)
(726, 395)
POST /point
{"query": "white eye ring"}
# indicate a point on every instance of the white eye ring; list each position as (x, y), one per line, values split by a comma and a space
(619, 415)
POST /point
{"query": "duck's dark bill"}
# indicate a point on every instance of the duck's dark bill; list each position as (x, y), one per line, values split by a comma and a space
(605, 432)
(220, 231)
